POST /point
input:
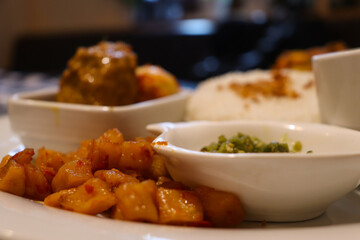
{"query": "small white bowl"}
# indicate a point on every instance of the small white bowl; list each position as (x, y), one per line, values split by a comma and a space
(277, 187)
(41, 121)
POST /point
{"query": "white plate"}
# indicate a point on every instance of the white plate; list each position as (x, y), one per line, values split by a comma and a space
(23, 219)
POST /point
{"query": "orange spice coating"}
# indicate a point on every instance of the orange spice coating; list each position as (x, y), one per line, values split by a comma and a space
(125, 180)
(278, 86)
(155, 82)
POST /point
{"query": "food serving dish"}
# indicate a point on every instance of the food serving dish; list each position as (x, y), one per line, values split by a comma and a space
(28, 220)
(338, 86)
(41, 121)
(278, 187)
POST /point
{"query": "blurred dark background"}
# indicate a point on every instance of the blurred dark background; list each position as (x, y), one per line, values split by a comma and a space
(193, 39)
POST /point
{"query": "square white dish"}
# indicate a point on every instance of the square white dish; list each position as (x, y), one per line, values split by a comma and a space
(41, 121)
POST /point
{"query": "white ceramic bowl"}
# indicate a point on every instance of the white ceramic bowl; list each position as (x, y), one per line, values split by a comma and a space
(338, 86)
(277, 187)
(41, 121)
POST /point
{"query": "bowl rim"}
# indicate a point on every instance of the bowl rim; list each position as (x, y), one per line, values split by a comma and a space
(336, 55)
(30, 98)
(162, 144)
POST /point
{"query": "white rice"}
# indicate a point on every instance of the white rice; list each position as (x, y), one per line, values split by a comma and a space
(214, 100)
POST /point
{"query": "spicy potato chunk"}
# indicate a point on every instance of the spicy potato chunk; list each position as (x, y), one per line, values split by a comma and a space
(158, 168)
(37, 186)
(95, 154)
(103, 152)
(137, 156)
(12, 171)
(25, 156)
(71, 174)
(222, 209)
(178, 206)
(12, 178)
(112, 135)
(20, 177)
(49, 162)
(166, 182)
(105, 155)
(5, 160)
(92, 197)
(114, 177)
(136, 202)
(111, 151)
(107, 150)
(81, 153)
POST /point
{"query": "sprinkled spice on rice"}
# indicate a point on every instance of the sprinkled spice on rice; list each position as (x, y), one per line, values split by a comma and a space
(288, 95)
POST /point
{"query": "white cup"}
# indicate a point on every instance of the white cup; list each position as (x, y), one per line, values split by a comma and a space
(337, 77)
